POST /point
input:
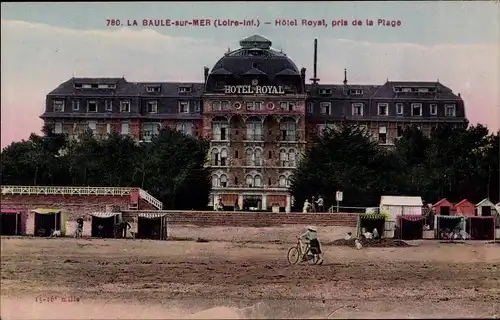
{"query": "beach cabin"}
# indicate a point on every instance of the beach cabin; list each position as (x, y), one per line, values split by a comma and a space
(443, 207)
(465, 208)
(486, 208)
(395, 206)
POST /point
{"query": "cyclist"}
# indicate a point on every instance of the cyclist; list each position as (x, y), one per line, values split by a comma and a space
(314, 247)
(79, 226)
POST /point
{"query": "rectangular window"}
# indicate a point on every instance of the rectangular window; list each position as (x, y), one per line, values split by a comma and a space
(357, 109)
(325, 108)
(124, 106)
(254, 106)
(219, 131)
(216, 106)
(152, 106)
(93, 125)
(92, 106)
(383, 109)
(58, 105)
(416, 109)
(183, 107)
(153, 89)
(125, 128)
(58, 128)
(225, 105)
(149, 130)
(288, 131)
(433, 109)
(184, 89)
(450, 110)
(400, 131)
(382, 135)
(254, 131)
(185, 127)
(108, 105)
(400, 109)
(108, 128)
(76, 105)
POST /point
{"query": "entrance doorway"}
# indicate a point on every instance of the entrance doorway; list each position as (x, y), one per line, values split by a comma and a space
(10, 224)
(46, 221)
(252, 202)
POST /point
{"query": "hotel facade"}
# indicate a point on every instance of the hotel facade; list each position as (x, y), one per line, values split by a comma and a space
(258, 111)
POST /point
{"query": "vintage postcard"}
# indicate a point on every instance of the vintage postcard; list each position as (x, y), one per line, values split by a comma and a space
(250, 160)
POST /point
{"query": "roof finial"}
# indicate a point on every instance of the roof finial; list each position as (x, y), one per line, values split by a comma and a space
(345, 77)
(438, 80)
(228, 49)
(387, 79)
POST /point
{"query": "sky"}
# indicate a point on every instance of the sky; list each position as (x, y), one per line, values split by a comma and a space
(45, 44)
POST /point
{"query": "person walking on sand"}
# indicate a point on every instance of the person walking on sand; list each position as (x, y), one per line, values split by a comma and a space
(320, 203)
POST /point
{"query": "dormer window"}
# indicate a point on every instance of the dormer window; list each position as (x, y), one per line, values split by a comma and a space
(325, 91)
(416, 109)
(78, 85)
(86, 86)
(92, 106)
(356, 91)
(153, 106)
(58, 105)
(406, 90)
(183, 107)
(383, 109)
(153, 89)
(325, 108)
(125, 106)
(433, 109)
(107, 86)
(422, 90)
(450, 110)
(94, 86)
(184, 89)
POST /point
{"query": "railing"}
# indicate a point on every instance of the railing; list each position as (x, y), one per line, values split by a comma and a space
(149, 198)
(80, 191)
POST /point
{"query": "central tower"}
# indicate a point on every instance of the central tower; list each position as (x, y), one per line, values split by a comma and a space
(254, 117)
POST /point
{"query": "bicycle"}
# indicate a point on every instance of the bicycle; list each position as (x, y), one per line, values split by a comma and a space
(298, 252)
(78, 233)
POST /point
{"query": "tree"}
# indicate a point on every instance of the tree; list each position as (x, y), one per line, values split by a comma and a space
(344, 159)
(176, 171)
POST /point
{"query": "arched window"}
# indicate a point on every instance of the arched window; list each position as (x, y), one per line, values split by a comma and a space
(282, 181)
(215, 181)
(291, 158)
(283, 158)
(249, 181)
(257, 181)
(250, 157)
(223, 181)
(215, 157)
(223, 157)
(288, 181)
(185, 128)
(288, 129)
(258, 157)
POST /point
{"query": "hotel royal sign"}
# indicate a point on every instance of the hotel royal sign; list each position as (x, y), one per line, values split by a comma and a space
(254, 89)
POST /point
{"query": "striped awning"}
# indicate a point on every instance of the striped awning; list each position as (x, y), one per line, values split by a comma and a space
(450, 217)
(46, 211)
(151, 215)
(104, 214)
(372, 216)
(412, 217)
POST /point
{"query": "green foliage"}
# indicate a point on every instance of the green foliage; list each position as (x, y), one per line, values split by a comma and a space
(171, 167)
(453, 163)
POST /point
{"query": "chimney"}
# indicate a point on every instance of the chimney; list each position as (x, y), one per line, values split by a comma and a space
(303, 77)
(205, 69)
(345, 77)
(314, 79)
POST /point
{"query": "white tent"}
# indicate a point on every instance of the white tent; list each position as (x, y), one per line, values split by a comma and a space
(401, 206)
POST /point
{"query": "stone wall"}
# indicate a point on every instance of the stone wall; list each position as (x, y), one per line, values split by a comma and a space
(254, 219)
